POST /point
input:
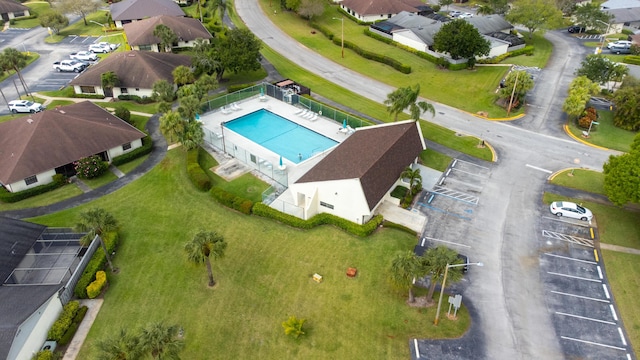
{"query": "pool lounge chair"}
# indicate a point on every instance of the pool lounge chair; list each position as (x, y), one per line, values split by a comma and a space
(314, 117)
(235, 107)
(225, 110)
(299, 112)
(304, 112)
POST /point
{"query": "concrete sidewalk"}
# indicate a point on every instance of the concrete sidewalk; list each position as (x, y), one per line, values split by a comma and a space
(75, 345)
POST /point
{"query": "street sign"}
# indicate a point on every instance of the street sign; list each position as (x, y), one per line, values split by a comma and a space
(454, 301)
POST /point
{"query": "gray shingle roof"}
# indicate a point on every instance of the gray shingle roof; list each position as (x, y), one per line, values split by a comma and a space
(383, 7)
(187, 29)
(38, 142)
(375, 155)
(9, 6)
(135, 69)
(140, 9)
(625, 15)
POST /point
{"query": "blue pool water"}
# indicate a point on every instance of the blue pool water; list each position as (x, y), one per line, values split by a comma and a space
(293, 142)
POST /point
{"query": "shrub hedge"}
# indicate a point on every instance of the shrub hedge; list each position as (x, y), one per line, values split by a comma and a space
(263, 210)
(9, 197)
(527, 50)
(232, 201)
(136, 98)
(96, 286)
(631, 59)
(88, 96)
(198, 177)
(43, 355)
(147, 146)
(64, 321)
(68, 335)
(392, 225)
(96, 264)
(238, 87)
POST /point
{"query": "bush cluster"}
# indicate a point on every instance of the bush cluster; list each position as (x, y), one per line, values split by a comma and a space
(43, 355)
(403, 68)
(263, 210)
(68, 335)
(9, 197)
(96, 264)
(198, 177)
(64, 321)
(527, 50)
(590, 114)
(123, 113)
(147, 146)
(90, 167)
(238, 87)
(137, 99)
(88, 96)
(96, 286)
(392, 225)
(230, 200)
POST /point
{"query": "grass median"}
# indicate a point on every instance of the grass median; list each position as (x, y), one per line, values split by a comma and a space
(264, 278)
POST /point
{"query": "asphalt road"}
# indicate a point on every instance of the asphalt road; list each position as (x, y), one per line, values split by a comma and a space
(507, 293)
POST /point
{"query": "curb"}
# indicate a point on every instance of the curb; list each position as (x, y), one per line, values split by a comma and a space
(495, 119)
(571, 135)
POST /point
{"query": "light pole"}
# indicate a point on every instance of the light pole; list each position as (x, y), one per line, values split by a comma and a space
(605, 34)
(342, 34)
(444, 283)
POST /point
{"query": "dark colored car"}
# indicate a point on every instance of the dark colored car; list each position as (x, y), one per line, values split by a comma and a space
(576, 29)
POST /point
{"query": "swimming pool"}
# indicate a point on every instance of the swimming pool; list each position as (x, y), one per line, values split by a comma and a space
(293, 142)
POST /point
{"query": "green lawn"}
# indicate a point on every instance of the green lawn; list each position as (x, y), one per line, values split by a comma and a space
(264, 278)
(467, 90)
(435, 160)
(35, 8)
(541, 54)
(128, 167)
(587, 180)
(48, 198)
(624, 278)
(616, 225)
(605, 134)
(101, 180)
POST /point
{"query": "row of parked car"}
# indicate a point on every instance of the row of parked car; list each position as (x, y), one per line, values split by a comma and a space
(455, 14)
(81, 60)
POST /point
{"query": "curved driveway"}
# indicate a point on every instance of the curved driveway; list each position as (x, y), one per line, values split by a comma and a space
(507, 292)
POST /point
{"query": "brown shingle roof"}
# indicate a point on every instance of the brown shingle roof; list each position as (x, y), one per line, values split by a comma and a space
(187, 29)
(140, 9)
(380, 7)
(376, 155)
(9, 6)
(135, 69)
(39, 142)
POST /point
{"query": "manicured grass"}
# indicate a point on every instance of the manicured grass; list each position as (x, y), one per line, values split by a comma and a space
(541, 54)
(35, 8)
(451, 139)
(54, 103)
(64, 92)
(616, 225)
(605, 134)
(624, 278)
(264, 278)
(151, 108)
(468, 90)
(101, 180)
(126, 168)
(587, 180)
(48, 198)
(435, 160)
(79, 28)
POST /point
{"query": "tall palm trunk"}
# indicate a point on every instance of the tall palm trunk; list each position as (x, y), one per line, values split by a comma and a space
(209, 272)
(106, 253)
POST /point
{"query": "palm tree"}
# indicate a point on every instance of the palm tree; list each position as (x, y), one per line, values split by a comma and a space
(96, 222)
(219, 6)
(403, 98)
(415, 179)
(172, 124)
(166, 35)
(12, 59)
(123, 346)
(161, 341)
(435, 262)
(109, 80)
(404, 268)
(206, 244)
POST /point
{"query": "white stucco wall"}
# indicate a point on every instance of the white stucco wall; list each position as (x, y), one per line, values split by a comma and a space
(33, 332)
(43, 178)
(12, 15)
(116, 91)
(346, 197)
(117, 151)
(408, 38)
(366, 18)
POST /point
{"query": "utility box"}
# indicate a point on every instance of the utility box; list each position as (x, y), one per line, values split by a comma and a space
(317, 278)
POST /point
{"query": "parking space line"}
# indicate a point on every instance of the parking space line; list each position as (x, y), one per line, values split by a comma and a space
(470, 163)
(539, 169)
(569, 238)
(580, 296)
(469, 173)
(443, 211)
(415, 345)
(479, 187)
(456, 195)
(606, 292)
(624, 342)
(561, 219)
(593, 343)
(613, 312)
(444, 241)
(570, 258)
(599, 272)
(586, 318)
(573, 277)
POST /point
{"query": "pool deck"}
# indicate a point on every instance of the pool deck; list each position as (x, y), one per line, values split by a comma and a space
(327, 127)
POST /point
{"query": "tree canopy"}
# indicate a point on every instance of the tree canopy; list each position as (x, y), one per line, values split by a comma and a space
(590, 16)
(404, 268)
(523, 84)
(601, 70)
(535, 15)
(627, 108)
(310, 9)
(97, 222)
(580, 91)
(436, 261)
(203, 246)
(238, 52)
(407, 97)
(622, 176)
(53, 20)
(78, 7)
(461, 40)
(167, 37)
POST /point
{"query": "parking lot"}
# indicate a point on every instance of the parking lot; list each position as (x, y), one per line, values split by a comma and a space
(577, 292)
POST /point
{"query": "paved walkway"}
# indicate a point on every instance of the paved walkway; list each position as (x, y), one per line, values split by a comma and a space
(619, 248)
(75, 345)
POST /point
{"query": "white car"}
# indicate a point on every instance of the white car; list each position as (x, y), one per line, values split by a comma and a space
(84, 56)
(619, 43)
(25, 106)
(109, 45)
(465, 16)
(455, 13)
(97, 48)
(571, 210)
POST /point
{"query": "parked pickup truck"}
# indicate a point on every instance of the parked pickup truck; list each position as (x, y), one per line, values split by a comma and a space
(69, 65)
